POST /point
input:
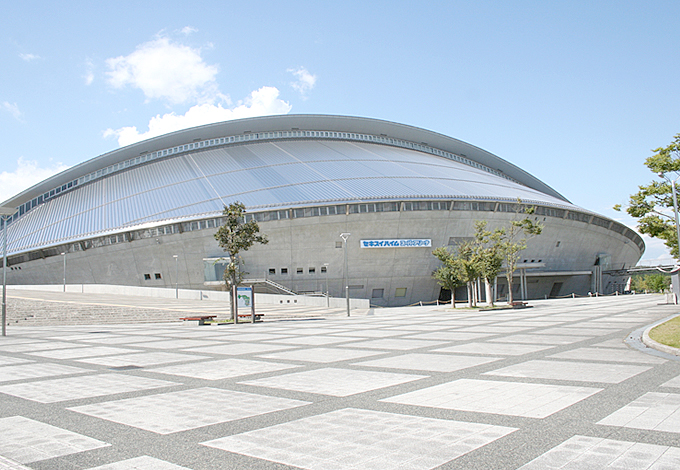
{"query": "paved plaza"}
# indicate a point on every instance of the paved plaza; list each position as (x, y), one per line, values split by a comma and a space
(547, 387)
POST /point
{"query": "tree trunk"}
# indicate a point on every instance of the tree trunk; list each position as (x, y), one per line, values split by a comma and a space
(489, 293)
(453, 298)
(509, 279)
(470, 292)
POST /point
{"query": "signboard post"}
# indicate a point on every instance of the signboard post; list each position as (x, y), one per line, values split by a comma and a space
(246, 299)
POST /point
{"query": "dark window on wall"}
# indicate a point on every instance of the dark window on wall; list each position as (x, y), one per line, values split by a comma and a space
(272, 270)
(377, 293)
(158, 275)
(284, 270)
(323, 269)
(147, 277)
(300, 270)
(312, 270)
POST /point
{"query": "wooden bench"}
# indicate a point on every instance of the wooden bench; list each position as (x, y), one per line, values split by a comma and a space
(517, 304)
(247, 316)
(201, 319)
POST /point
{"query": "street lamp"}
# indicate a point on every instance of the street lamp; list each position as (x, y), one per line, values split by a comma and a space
(64, 277)
(344, 237)
(176, 277)
(328, 301)
(5, 213)
(675, 205)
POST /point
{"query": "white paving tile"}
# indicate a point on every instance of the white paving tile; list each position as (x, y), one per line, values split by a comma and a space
(73, 388)
(450, 335)
(40, 346)
(673, 382)
(33, 371)
(315, 340)
(335, 382)
(142, 359)
(394, 343)
(166, 413)
(609, 355)
(222, 368)
(502, 349)
(362, 439)
(177, 344)
(140, 463)
(653, 411)
(6, 360)
(428, 362)
(234, 349)
(540, 339)
(583, 452)
(577, 371)
(506, 398)
(76, 353)
(322, 354)
(25, 440)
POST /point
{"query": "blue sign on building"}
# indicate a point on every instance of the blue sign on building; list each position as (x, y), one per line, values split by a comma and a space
(397, 243)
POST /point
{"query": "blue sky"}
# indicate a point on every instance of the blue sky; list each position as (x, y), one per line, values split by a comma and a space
(575, 92)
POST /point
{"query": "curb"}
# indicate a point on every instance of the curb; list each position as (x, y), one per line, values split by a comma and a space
(649, 342)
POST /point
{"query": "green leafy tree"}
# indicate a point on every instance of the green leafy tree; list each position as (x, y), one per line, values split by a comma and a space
(467, 259)
(652, 205)
(655, 282)
(513, 240)
(489, 256)
(447, 275)
(234, 236)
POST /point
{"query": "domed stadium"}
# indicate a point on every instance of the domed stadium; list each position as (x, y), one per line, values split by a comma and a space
(146, 214)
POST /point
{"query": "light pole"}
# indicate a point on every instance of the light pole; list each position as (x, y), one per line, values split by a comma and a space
(176, 276)
(64, 276)
(344, 237)
(675, 205)
(328, 301)
(5, 212)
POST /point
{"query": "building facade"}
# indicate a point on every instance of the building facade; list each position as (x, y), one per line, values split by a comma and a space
(399, 191)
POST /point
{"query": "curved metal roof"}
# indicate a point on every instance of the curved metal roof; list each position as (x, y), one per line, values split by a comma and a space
(287, 123)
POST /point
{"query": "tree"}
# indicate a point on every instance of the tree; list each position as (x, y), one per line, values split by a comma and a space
(489, 256)
(655, 282)
(447, 274)
(234, 236)
(514, 239)
(652, 205)
(468, 269)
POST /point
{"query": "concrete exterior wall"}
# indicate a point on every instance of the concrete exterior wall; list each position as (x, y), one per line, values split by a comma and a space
(304, 243)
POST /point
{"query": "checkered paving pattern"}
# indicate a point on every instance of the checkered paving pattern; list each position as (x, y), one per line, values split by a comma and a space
(410, 388)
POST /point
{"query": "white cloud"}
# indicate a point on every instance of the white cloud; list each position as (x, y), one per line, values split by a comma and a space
(13, 109)
(89, 72)
(29, 57)
(262, 102)
(187, 30)
(305, 81)
(26, 174)
(165, 70)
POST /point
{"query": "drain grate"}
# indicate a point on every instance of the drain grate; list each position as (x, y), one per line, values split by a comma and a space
(125, 368)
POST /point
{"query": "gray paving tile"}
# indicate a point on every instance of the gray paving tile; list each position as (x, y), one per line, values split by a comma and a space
(394, 343)
(166, 413)
(675, 382)
(506, 398)
(236, 349)
(540, 339)
(26, 440)
(335, 382)
(362, 439)
(7, 360)
(450, 335)
(73, 388)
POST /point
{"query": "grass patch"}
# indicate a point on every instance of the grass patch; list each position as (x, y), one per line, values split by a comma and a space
(667, 333)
